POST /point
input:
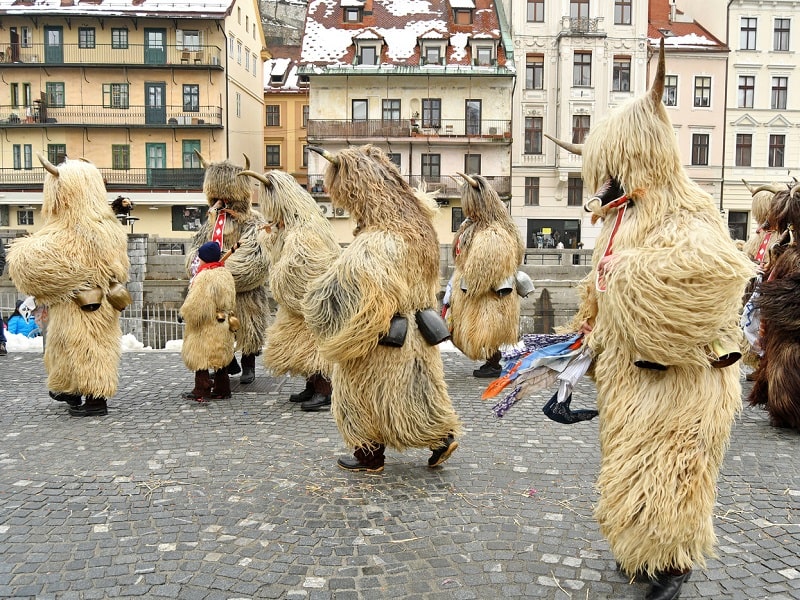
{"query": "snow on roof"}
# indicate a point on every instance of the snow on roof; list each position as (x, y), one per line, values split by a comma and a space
(353, 3)
(684, 41)
(462, 3)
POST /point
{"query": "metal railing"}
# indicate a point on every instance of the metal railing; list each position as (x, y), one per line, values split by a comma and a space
(446, 186)
(97, 115)
(128, 55)
(581, 25)
(161, 179)
(488, 129)
(156, 325)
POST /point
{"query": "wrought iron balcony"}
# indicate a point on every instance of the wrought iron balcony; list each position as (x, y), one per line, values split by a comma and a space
(130, 55)
(445, 186)
(116, 179)
(581, 26)
(88, 115)
(488, 129)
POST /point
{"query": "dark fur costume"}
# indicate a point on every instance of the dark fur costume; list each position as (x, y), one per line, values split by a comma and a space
(776, 384)
(121, 206)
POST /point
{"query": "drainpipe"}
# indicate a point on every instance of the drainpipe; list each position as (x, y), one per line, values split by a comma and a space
(725, 107)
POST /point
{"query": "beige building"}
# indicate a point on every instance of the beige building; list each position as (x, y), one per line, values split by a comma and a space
(135, 88)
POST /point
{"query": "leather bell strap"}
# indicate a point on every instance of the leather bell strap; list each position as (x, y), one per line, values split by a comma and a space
(219, 228)
(622, 204)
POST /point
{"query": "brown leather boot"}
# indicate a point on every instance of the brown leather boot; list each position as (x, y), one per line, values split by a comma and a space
(202, 387)
(222, 385)
(364, 459)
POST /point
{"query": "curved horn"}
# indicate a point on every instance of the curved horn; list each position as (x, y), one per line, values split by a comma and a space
(794, 190)
(203, 161)
(246, 162)
(568, 146)
(254, 175)
(749, 187)
(325, 154)
(468, 179)
(657, 89)
(53, 170)
(768, 187)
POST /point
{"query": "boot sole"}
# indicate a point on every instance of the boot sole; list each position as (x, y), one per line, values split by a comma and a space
(445, 455)
(361, 469)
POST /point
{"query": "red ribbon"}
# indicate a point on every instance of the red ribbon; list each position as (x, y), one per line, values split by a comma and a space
(622, 202)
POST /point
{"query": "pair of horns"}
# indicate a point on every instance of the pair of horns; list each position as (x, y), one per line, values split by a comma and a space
(655, 95)
(767, 187)
(204, 163)
(471, 181)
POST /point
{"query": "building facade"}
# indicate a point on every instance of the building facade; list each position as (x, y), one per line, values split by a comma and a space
(134, 88)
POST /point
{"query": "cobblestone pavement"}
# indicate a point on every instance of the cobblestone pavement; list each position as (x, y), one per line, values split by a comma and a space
(241, 499)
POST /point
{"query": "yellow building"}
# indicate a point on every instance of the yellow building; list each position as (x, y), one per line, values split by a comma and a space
(134, 88)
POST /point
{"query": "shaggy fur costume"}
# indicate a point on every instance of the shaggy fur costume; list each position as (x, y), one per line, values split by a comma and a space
(249, 264)
(487, 250)
(674, 285)
(777, 380)
(302, 247)
(208, 340)
(381, 394)
(81, 246)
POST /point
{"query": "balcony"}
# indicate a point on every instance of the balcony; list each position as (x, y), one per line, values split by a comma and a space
(132, 55)
(489, 130)
(83, 115)
(581, 26)
(116, 179)
(446, 186)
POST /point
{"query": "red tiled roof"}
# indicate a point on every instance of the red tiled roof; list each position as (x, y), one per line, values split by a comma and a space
(660, 26)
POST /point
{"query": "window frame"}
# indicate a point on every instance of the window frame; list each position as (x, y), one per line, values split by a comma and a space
(701, 149)
(534, 11)
(780, 92)
(191, 97)
(272, 114)
(746, 91)
(621, 74)
(533, 135)
(776, 156)
(532, 191)
(702, 91)
(116, 95)
(581, 124)
(432, 113)
(534, 72)
(55, 94)
(781, 30)
(119, 38)
(623, 12)
(743, 156)
(270, 152)
(574, 190)
(120, 157)
(87, 38)
(748, 33)
(582, 69)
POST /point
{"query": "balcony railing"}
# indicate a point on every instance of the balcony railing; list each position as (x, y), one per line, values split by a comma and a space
(580, 25)
(445, 186)
(319, 129)
(106, 116)
(116, 179)
(131, 55)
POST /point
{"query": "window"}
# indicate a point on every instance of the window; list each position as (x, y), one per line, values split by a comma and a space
(780, 91)
(54, 94)
(239, 52)
(737, 224)
(534, 72)
(305, 156)
(254, 64)
(472, 164)
(747, 90)
(360, 110)
(535, 12)
(273, 115)
(580, 128)
(622, 12)
(777, 145)
(579, 9)
(368, 55)
(238, 103)
(115, 95)
(120, 157)
(191, 97)
(169, 249)
(622, 74)
(119, 38)
(352, 14)
(305, 116)
(188, 218)
(700, 143)
(747, 33)
(86, 37)
(473, 112)
(14, 90)
(432, 112)
(533, 135)
(56, 153)
(582, 69)
(456, 218)
(273, 154)
(4, 216)
(431, 167)
(574, 191)
(432, 55)
(781, 35)
(246, 59)
(188, 154)
(26, 37)
(484, 56)
(24, 217)
(671, 90)
(22, 155)
(702, 91)
(396, 158)
(744, 149)
(390, 110)
(462, 16)
(531, 191)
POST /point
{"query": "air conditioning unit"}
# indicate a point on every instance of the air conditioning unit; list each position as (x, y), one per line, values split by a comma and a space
(326, 208)
(341, 213)
(492, 130)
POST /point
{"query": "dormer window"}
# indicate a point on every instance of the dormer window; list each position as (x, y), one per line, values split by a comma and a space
(367, 55)
(483, 56)
(462, 11)
(352, 11)
(432, 55)
(368, 48)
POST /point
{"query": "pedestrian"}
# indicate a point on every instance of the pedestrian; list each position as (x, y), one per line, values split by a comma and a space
(483, 307)
(233, 223)
(77, 264)
(660, 314)
(23, 324)
(374, 313)
(210, 323)
(302, 247)
(3, 350)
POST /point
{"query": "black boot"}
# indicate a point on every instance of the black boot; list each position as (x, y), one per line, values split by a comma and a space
(248, 368)
(233, 368)
(364, 459)
(95, 406)
(222, 385)
(71, 399)
(306, 393)
(491, 368)
(443, 452)
(667, 586)
(321, 400)
(202, 387)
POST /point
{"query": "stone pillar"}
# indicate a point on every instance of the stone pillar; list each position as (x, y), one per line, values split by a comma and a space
(137, 253)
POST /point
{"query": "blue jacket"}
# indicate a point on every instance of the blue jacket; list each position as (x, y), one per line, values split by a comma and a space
(16, 324)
